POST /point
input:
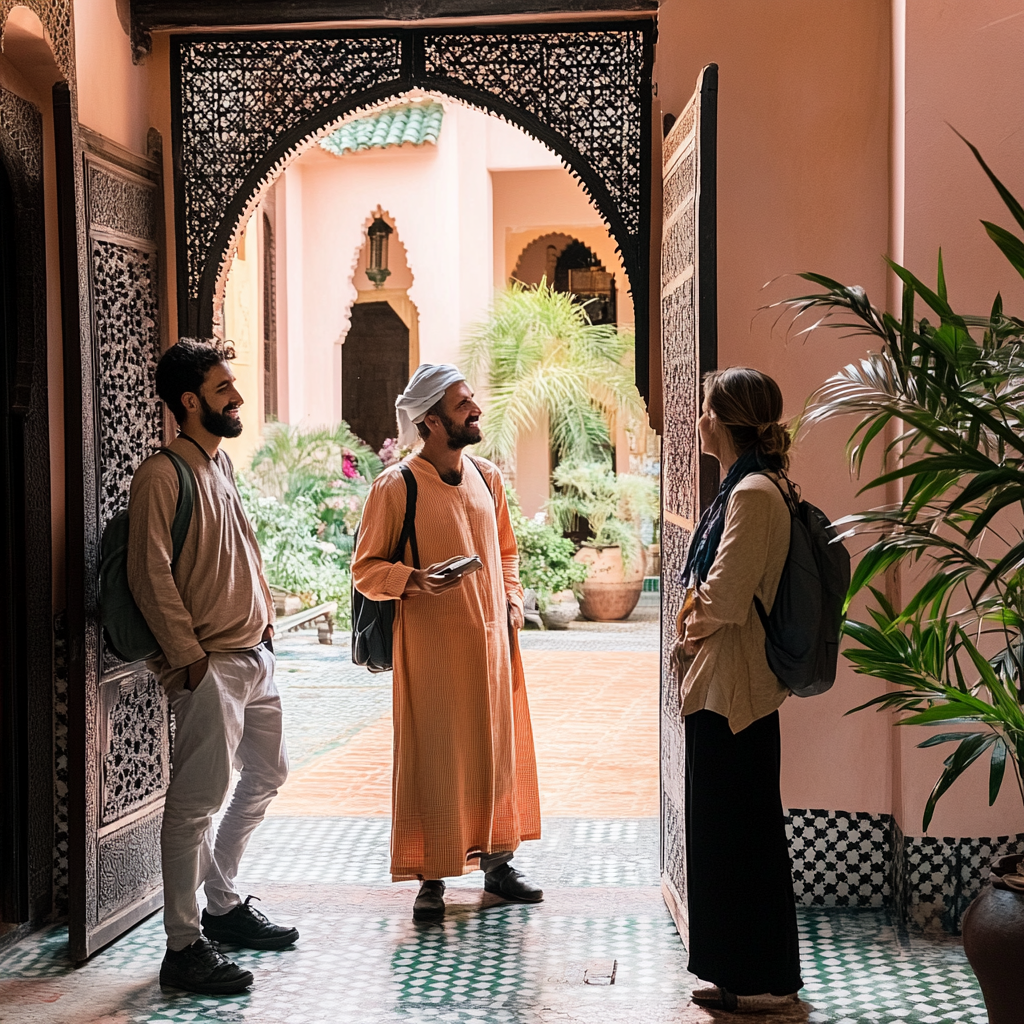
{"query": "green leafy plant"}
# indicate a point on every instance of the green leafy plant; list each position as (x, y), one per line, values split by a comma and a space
(944, 400)
(304, 493)
(541, 359)
(294, 557)
(329, 466)
(613, 504)
(546, 564)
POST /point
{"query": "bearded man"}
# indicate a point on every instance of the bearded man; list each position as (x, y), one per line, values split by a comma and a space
(211, 614)
(464, 789)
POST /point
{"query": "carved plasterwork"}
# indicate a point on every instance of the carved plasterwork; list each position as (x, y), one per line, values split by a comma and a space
(125, 301)
(238, 97)
(128, 866)
(23, 123)
(586, 88)
(135, 767)
(249, 104)
(122, 204)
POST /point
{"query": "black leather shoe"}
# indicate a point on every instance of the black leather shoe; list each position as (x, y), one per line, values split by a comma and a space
(512, 885)
(245, 926)
(204, 969)
(429, 905)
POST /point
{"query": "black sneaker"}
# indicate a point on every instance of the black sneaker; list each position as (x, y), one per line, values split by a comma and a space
(429, 904)
(512, 885)
(245, 926)
(204, 969)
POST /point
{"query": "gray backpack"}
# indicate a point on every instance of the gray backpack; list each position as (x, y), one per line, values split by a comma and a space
(128, 635)
(801, 633)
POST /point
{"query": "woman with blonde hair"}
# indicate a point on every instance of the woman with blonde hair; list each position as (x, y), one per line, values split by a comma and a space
(742, 912)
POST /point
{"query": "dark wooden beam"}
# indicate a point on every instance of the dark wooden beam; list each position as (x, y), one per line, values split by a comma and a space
(151, 15)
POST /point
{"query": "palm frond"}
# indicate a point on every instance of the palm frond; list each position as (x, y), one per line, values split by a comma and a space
(941, 402)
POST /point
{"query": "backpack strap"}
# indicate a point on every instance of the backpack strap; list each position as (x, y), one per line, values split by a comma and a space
(482, 476)
(792, 500)
(186, 503)
(408, 535)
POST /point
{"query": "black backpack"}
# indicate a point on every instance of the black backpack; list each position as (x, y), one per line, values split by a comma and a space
(373, 621)
(801, 635)
(127, 633)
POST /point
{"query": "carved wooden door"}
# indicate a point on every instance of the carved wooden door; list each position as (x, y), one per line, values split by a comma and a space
(689, 349)
(118, 716)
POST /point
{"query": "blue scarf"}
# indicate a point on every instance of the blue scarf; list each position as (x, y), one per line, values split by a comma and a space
(700, 555)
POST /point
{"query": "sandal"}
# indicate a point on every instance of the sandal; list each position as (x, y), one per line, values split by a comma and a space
(717, 998)
(714, 998)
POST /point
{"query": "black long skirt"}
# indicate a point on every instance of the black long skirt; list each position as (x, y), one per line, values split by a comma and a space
(739, 884)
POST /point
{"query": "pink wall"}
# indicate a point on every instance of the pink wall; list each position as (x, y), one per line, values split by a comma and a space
(803, 185)
(962, 72)
(112, 91)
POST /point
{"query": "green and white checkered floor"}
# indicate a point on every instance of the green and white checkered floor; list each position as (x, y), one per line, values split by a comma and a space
(361, 960)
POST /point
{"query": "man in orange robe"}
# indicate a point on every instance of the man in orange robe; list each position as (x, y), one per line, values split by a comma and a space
(465, 775)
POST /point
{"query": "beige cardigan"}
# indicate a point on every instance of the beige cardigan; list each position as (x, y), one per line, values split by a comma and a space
(729, 674)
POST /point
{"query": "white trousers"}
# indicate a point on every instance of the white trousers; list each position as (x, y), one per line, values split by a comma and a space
(231, 719)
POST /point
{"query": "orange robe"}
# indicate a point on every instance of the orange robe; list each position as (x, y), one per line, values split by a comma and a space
(465, 774)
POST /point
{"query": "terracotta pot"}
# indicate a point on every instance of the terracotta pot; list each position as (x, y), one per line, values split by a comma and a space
(609, 592)
(993, 929)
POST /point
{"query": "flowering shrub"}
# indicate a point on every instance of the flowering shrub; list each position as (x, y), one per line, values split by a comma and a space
(545, 556)
(295, 558)
(392, 452)
(304, 493)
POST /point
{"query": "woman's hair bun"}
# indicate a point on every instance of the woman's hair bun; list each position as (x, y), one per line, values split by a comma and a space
(749, 403)
(774, 439)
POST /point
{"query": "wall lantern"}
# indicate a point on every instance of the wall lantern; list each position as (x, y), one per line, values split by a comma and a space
(377, 270)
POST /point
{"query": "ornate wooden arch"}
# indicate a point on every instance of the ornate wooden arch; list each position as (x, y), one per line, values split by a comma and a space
(244, 103)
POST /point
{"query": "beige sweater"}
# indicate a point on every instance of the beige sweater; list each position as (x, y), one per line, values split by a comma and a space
(217, 598)
(729, 674)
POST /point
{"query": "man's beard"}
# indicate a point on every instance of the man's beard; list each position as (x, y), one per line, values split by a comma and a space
(460, 437)
(220, 424)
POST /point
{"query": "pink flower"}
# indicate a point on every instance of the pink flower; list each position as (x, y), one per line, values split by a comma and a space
(348, 466)
(389, 452)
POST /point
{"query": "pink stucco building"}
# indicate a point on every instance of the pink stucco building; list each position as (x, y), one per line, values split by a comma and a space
(471, 203)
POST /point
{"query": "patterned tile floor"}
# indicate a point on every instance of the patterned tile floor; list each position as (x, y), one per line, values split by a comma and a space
(361, 960)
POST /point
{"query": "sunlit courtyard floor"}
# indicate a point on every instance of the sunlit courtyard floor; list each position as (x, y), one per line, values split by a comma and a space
(601, 949)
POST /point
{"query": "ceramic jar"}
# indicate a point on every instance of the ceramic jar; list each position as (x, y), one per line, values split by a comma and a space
(993, 930)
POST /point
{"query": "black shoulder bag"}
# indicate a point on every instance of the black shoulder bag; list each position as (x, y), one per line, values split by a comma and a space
(373, 621)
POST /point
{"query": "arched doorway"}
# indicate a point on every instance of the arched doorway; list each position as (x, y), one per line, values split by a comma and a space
(571, 266)
(237, 122)
(375, 369)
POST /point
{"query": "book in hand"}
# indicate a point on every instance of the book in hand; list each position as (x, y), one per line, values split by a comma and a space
(460, 567)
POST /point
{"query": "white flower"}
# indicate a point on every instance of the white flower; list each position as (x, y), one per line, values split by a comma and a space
(326, 547)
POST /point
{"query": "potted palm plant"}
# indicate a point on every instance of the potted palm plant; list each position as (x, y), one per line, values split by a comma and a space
(542, 360)
(944, 398)
(613, 507)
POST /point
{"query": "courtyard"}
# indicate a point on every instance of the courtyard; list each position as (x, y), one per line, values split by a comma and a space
(601, 949)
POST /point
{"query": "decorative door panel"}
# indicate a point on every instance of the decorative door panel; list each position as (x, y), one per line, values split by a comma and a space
(689, 339)
(126, 721)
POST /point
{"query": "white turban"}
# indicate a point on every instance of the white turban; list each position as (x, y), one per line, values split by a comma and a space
(428, 385)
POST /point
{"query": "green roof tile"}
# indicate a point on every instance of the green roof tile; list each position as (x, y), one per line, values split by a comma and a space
(416, 123)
